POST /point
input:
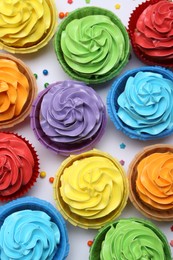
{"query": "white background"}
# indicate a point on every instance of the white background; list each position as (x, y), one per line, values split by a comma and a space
(110, 142)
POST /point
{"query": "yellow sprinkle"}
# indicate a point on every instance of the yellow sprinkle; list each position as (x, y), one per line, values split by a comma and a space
(117, 6)
(42, 174)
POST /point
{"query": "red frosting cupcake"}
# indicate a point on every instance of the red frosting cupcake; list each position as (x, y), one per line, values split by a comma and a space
(19, 166)
(151, 32)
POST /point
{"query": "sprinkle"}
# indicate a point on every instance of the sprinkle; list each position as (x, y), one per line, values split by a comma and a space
(87, 1)
(70, 2)
(90, 242)
(42, 174)
(171, 228)
(171, 243)
(61, 15)
(122, 162)
(51, 179)
(117, 6)
(45, 72)
(122, 146)
(35, 75)
(66, 14)
(46, 84)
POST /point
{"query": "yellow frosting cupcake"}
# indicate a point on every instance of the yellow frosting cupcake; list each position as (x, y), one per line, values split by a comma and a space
(26, 26)
(90, 189)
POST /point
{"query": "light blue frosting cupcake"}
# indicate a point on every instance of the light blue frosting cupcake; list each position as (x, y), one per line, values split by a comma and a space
(32, 229)
(140, 103)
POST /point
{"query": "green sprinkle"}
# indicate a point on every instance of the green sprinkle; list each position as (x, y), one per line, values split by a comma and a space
(87, 1)
(35, 75)
(46, 84)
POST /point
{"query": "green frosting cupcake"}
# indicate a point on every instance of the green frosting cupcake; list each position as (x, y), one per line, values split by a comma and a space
(130, 239)
(92, 45)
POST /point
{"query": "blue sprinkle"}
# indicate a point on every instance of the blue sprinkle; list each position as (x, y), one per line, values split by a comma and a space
(45, 72)
(122, 146)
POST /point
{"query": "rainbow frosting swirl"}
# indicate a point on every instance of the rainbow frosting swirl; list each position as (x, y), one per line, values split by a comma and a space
(28, 235)
(146, 105)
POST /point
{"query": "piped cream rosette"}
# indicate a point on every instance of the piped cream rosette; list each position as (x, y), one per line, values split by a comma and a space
(90, 189)
(26, 26)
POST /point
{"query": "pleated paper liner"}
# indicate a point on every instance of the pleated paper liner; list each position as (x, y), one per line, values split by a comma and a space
(26, 71)
(146, 209)
(78, 14)
(64, 208)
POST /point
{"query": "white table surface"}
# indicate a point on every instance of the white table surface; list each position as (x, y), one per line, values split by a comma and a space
(110, 142)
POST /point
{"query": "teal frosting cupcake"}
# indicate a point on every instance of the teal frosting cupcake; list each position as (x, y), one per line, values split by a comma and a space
(92, 45)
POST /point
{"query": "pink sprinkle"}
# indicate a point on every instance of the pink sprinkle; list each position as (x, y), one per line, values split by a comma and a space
(171, 243)
(70, 2)
(122, 162)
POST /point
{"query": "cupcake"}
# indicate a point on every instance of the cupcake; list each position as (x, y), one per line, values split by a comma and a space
(131, 238)
(26, 26)
(92, 45)
(90, 189)
(17, 91)
(151, 33)
(151, 182)
(19, 166)
(140, 103)
(32, 228)
(68, 117)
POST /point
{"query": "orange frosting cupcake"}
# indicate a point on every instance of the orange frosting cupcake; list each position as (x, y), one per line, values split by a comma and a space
(151, 182)
(17, 90)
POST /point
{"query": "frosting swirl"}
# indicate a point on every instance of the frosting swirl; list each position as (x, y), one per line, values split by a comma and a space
(14, 90)
(24, 23)
(131, 240)
(71, 112)
(154, 30)
(154, 182)
(88, 44)
(28, 235)
(96, 188)
(16, 164)
(146, 103)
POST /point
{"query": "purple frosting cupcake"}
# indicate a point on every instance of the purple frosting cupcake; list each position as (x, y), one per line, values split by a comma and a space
(68, 117)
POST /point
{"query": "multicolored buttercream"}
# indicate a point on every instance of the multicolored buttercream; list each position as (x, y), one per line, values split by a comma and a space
(28, 234)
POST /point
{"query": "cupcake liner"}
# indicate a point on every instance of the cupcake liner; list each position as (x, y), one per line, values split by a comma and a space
(31, 203)
(43, 41)
(25, 188)
(100, 236)
(80, 13)
(131, 29)
(147, 210)
(61, 148)
(112, 104)
(63, 207)
(32, 92)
